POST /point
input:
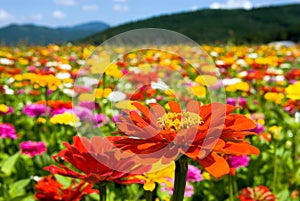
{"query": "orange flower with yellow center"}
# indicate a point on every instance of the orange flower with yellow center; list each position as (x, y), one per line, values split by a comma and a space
(204, 133)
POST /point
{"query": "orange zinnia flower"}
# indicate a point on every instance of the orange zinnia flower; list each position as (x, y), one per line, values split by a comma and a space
(204, 133)
(98, 160)
(48, 188)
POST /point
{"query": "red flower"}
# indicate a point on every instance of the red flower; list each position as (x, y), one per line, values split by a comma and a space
(58, 104)
(49, 189)
(259, 193)
(204, 133)
(98, 160)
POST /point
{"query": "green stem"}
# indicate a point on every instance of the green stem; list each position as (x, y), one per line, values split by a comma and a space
(296, 134)
(231, 193)
(46, 112)
(148, 195)
(46, 99)
(275, 167)
(235, 184)
(103, 80)
(181, 169)
(102, 191)
(103, 88)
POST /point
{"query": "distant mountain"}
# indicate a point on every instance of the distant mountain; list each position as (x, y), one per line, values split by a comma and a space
(91, 26)
(40, 35)
(258, 25)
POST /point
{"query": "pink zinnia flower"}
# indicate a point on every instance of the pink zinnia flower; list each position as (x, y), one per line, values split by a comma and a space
(194, 174)
(100, 119)
(242, 101)
(7, 131)
(34, 110)
(231, 101)
(239, 161)
(33, 148)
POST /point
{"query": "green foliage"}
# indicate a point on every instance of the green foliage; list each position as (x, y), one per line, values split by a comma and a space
(260, 25)
(8, 165)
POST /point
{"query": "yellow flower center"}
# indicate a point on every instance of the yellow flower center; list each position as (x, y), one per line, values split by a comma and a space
(177, 121)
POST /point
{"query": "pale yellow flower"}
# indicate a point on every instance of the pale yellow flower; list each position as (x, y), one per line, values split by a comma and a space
(65, 118)
(160, 176)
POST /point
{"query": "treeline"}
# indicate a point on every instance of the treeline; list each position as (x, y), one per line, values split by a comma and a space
(259, 25)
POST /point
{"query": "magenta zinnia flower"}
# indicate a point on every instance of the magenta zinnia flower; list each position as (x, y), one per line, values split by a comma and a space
(100, 119)
(194, 174)
(259, 128)
(239, 161)
(89, 105)
(7, 131)
(34, 110)
(242, 102)
(33, 148)
(231, 101)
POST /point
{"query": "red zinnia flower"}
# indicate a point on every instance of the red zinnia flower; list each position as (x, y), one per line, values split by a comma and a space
(204, 133)
(259, 193)
(49, 189)
(98, 160)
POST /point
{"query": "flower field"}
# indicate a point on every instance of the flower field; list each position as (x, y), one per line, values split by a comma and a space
(79, 124)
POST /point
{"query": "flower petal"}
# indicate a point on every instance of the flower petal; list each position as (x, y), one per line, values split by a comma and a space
(216, 165)
(174, 107)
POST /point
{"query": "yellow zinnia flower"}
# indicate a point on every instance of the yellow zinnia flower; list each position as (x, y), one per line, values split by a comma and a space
(158, 176)
(102, 93)
(3, 108)
(293, 91)
(241, 86)
(65, 118)
(275, 131)
(276, 97)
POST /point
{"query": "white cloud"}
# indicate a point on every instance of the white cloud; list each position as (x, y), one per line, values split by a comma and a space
(65, 2)
(194, 8)
(92, 7)
(120, 8)
(58, 14)
(232, 4)
(5, 16)
(37, 16)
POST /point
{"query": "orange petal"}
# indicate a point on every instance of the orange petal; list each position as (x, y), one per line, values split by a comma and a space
(145, 110)
(239, 149)
(193, 106)
(216, 165)
(134, 116)
(241, 123)
(157, 109)
(175, 107)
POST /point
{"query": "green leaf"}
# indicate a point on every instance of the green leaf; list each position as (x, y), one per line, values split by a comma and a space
(28, 198)
(19, 198)
(284, 195)
(65, 181)
(9, 164)
(17, 189)
(297, 176)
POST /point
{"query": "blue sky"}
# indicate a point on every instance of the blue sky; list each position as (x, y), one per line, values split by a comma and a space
(56, 13)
